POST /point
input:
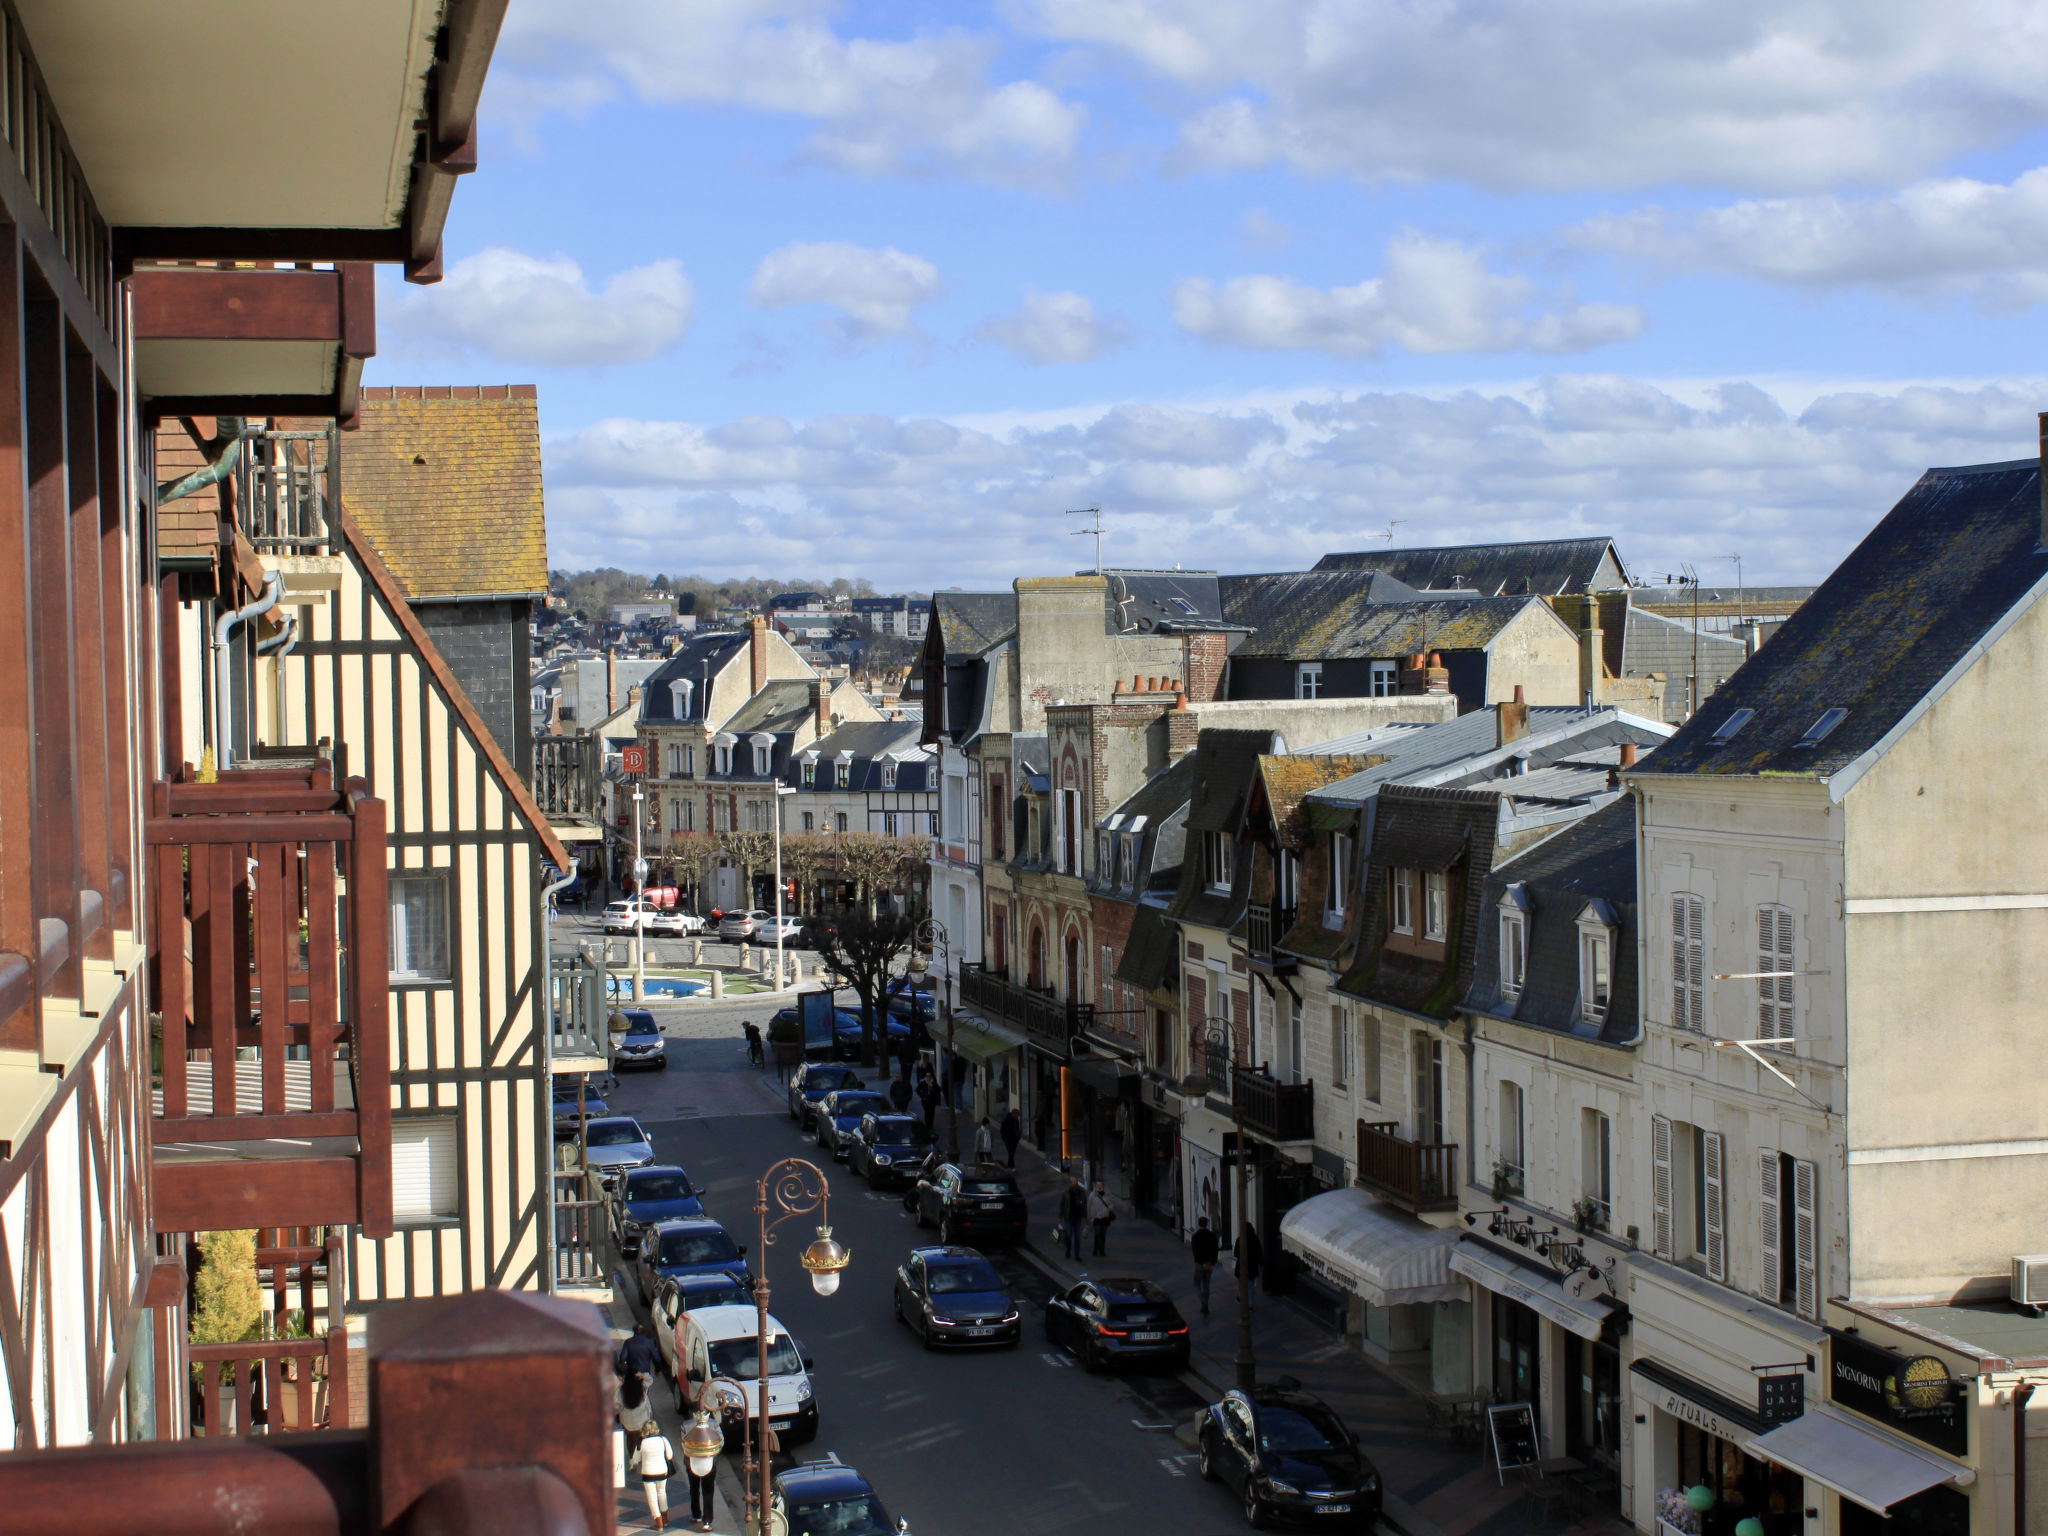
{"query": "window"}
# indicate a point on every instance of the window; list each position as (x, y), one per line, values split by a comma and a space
(842, 821)
(1068, 814)
(1286, 879)
(723, 760)
(1595, 983)
(932, 823)
(1512, 1156)
(1404, 900)
(721, 814)
(1126, 856)
(1436, 905)
(1596, 1143)
(675, 762)
(764, 757)
(1788, 1258)
(953, 790)
(679, 698)
(1217, 854)
(809, 822)
(1428, 1058)
(424, 1187)
(1294, 1041)
(1688, 962)
(1710, 1202)
(1340, 1045)
(889, 827)
(888, 775)
(1514, 953)
(1369, 1057)
(1776, 1013)
(419, 927)
(1822, 728)
(1338, 897)
(810, 772)
(842, 775)
(689, 762)
(685, 816)
(1105, 980)
(1308, 680)
(1661, 1224)
(1385, 680)
(998, 816)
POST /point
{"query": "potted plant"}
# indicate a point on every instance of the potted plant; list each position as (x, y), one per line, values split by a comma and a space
(788, 1042)
(1587, 1214)
(1507, 1179)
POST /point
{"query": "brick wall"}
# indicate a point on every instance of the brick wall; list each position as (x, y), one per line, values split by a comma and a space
(484, 644)
(1204, 667)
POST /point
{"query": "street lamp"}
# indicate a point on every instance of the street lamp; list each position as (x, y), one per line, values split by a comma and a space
(798, 1188)
(1217, 1046)
(932, 935)
(702, 1442)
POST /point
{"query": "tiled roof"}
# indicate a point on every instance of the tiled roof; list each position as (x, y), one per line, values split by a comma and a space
(970, 622)
(446, 482)
(188, 529)
(1543, 566)
(1331, 614)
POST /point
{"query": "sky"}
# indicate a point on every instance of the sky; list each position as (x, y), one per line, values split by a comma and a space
(887, 290)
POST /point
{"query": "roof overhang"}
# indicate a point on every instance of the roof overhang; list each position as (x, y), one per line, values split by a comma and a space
(251, 131)
(253, 342)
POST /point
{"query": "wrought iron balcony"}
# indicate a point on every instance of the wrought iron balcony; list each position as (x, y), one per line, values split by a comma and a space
(1273, 1109)
(566, 775)
(1047, 1020)
(1264, 926)
(1415, 1175)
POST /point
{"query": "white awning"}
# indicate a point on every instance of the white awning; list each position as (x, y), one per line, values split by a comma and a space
(1861, 1463)
(1362, 1246)
(1582, 1315)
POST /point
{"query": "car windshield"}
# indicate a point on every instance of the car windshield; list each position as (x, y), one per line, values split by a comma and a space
(659, 1186)
(903, 1133)
(952, 1279)
(715, 1295)
(740, 1358)
(641, 1027)
(987, 1186)
(1299, 1429)
(857, 1105)
(615, 1135)
(1137, 1312)
(827, 1078)
(860, 1515)
(707, 1247)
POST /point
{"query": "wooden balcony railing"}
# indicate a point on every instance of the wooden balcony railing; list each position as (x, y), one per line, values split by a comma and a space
(283, 1383)
(578, 1010)
(1048, 1021)
(566, 776)
(580, 1231)
(1265, 926)
(1417, 1176)
(1280, 1111)
(269, 943)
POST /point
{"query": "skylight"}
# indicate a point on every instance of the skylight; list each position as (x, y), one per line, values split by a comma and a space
(1819, 730)
(1732, 724)
(1183, 605)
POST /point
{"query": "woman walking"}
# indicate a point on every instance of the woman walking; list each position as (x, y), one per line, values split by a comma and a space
(657, 1460)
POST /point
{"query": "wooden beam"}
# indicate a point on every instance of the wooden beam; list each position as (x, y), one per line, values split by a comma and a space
(282, 1126)
(177, 242)
(213, 1195)
(201, 304)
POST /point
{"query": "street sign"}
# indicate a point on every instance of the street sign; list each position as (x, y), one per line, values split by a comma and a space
(633, 759)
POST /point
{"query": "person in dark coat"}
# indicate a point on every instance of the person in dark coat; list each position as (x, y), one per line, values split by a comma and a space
(1012, 1132)
(906, 1057)
(928, 1096)
(899, 1093)
(1202, 1248)
(1251, 1259)
(1073, 1216)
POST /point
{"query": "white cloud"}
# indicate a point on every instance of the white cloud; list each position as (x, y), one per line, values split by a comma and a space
(503, 304)
(1431, 296)
(1755, 95)
(1936, 238)
(875, 291)
(1055, 328)
(922, 104)
(1790, 475)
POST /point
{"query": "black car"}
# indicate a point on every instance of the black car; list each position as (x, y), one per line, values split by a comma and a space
(1118, 1322)
(828, 1498)
(953, 1296)
(1290, 1458)
(888, 1149)
(970, 1200)
(810, 1083)
(840, 1112)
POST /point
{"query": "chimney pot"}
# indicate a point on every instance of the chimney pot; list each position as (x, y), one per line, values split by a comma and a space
(1518, 693)
(1628, 754)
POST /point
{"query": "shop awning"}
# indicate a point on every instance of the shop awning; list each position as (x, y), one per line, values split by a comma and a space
(977, 1039)
(1540, 1293)
(1104, 1073)
(1371, 1250)
(1861, 1463)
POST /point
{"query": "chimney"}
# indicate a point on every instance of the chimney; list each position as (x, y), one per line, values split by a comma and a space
(1436, 676)
(611, 680)
(1628, 754)
(1183, 726)
(757, 644)
(821, 705)
(1589, 650)
(1510, 719)
(633, 696)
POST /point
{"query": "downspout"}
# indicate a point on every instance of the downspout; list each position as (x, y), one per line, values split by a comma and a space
(547, 1062)
(2020, 1395)
(223, 706)
(280, 645)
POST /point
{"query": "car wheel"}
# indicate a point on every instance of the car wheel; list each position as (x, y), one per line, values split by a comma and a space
(1256, 1514)
(896, 1306)
(922, 1220)
(661, 1065)
(1205, 1461)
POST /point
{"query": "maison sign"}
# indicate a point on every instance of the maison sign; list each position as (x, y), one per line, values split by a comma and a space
(1914, 1395)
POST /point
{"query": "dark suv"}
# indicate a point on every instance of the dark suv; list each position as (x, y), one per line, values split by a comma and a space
(1117, 1322)
(888, 1149)
(971, 1200)
(808, 1084)
(828, 1498)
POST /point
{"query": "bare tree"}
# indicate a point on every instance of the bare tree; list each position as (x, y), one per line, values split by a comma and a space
(865, 949)
(805, 856)
(752, 851)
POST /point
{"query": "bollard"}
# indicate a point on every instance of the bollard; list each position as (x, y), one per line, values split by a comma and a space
(717, 985)
(696, 951)
(745, 950)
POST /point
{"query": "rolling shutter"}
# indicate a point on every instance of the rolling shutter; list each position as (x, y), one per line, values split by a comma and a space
(1770, 1274)
(1660, 1184)
(423, 1181)
(1714, 1193)
(1806, 1236)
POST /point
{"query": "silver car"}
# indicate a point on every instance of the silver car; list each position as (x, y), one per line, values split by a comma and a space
(616, 1143)
(742, 925)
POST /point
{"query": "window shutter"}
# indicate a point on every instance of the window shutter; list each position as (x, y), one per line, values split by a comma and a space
(1681, 967)
(1769, 1266)
(1774, 952)
(1198, 1003)
(423, 1186)
(1660, 1184)
(1696, 945)
(1712, 1149)
(1806, 1237)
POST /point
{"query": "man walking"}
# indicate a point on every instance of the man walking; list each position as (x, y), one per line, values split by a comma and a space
(1251, 1258)
(984, 1143)
(1013, 1132)
(755, 1055)
(639, 1356)
(1203, 1247)
(928, 1096)
(1100, 1214)
(1073, 1211)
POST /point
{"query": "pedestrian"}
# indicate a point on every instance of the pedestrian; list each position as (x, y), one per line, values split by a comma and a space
(1251, 1259)
(639, 1356)
(657, 1460)
(928, 1096)
(1073, 1211)
(630, 1404)
(755, 1055)
(899, 1094)
(906, 1057)
(702, 1495)
(1100, 1214)
(1013, 1132)
(959, 1080)
(984, 1143)
(1203, 1246)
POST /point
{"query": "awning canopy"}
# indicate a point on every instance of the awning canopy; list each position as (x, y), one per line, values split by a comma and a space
(1371, 1250)
(1582, 1315)
(1861, 1463)
(977, 1039)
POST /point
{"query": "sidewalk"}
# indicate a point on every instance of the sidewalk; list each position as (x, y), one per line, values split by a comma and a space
(1431, 1488)
(631, 1503)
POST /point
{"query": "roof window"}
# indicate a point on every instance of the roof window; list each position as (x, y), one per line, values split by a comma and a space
(1183, 605)
(1732, 724)
(1819, 731)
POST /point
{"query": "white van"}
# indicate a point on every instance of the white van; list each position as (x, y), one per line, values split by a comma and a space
(725, 1341)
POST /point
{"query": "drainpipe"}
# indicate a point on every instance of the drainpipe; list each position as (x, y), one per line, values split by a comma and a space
(2020, 1395)
(223, 706)
(280, 645)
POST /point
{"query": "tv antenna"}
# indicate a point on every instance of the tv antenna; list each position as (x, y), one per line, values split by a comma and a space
(1392, 524)
(1094, 531)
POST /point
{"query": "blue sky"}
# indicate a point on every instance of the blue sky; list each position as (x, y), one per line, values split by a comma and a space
(882, 290)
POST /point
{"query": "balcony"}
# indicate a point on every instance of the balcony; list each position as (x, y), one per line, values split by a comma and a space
(1417, 1176)
(1047, 1021)
(1263, 927)
(1270, 1108)
(273, 1095)
(286, 487)
(566, 776)
(281, 1383)
(581, 1038)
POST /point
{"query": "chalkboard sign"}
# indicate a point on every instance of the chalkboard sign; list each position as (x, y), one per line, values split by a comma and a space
(1514, 1437)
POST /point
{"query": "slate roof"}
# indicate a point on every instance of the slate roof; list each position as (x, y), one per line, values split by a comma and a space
(1930, 582)
(1149, 600)
(1541, 566)
(446, 482)
(1335, 614)
(1286, 780)
(1594, 858)
(783, 704)
(1468, 745)
(1224, 765)
(1149, 950)
(970, 622)
(699, 657)
(869, 741)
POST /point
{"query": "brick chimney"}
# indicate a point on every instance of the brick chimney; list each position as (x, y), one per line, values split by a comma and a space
(757, 653)
(611, 679)
(1183, 725)
(821, 705)
(1510, 719)
(1436, 676)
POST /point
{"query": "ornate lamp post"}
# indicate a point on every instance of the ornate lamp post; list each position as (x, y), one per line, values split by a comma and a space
(1217, 1051)
(932, 935)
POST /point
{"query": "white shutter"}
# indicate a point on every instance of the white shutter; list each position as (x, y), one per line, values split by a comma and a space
(1696, 975)
(1770, 1282)
(1774, 994)
(1714, 1192)
(1680, 964)
(1806, 1236)
(1660, 1184)
(423, 1186)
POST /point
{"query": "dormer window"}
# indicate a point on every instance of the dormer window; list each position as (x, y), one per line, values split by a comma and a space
(764, 758)
(1514, 941)
(1218, 868)
(679, 698)
(843, 771)
(888, 775)
(722, 758)
(1436, 905)
(1596, 961)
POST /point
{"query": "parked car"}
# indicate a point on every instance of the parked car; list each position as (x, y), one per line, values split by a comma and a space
(905, 1000)
(725, 1341)
(840, 1112)
(888, 1149)
(660, 1192)
(742, 924)
(689, 1293)
(629, 916)
(970, 1200)
(616, 1143)
(811, 1082)
(828, 1498)
(592, 1108)
(1289, 1458)
(953, 1296)
(1118, 1322)
(675, 922)
(846, 1033)
(694, 1245)
(841, 1017)
(641, 1045)
(791, 929)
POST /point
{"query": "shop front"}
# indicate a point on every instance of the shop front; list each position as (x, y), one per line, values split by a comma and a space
(993, 1054)
(1103, 1090)
(1707, 1433)
(1155, 1132)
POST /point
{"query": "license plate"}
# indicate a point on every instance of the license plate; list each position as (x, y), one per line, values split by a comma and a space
(1147, 1338)
(780, 1423)
(1333, 1509)
(991, 1205)
(978, 1333)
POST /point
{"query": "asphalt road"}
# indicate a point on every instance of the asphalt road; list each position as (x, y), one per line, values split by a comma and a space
(1020, 1441)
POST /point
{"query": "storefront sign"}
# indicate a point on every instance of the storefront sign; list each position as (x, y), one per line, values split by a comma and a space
(1781, 1399)
(1690, 1403)
(1914, 1395)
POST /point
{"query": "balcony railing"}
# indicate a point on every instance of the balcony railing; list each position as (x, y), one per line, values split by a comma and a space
(1277, 1110)
(580, 1229)
(1048, 1021)
(281, 1384)
(286, 485)
(581, 1036)
(566, 776)
(1415, 1175)
(1263, 927)
(269, 943)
